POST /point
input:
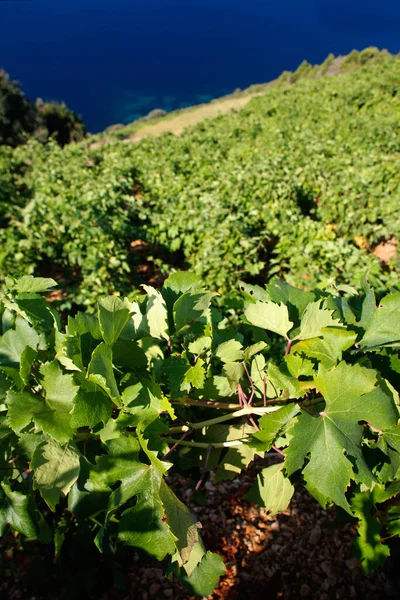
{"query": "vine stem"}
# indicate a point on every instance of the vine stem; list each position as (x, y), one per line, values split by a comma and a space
(243, 412)
(203, 471)
(288, 346)
(174, 447)
(228, 444)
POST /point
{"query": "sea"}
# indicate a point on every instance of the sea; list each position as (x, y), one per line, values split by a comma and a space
(113, 61)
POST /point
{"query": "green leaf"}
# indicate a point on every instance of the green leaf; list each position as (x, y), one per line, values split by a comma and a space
(144, 400)
(27, 357)
(100, 371)
(60, 392)
(234, 371)
(23, 408)
(384, 327)
(235, 461)
(56, 468)
(196, 375)
(200, 345)
(333, 439)
(270, 316)
(191, 307)
(28, 283)
(368, 305)
(205, 576)
(272, 425)
(157, 315)
(189, 546)
(230, 351)
(368, 544)
(15, 511)
(273, 490)
(282, 380)
(294, 298)
(114, 314)
(143, 526)
(314, 320)
(329, 349)
(14, 342)
(91, 406)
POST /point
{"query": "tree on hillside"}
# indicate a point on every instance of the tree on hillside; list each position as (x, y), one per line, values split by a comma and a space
(18, 116)
(60, 122)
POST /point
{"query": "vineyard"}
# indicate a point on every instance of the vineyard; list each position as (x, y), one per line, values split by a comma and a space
(188, 305)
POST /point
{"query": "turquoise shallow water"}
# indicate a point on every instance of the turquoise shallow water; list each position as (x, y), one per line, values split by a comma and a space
(115, 60)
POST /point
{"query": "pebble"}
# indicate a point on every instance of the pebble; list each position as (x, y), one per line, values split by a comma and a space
(315, 536)
(305, 590)
(154, 589)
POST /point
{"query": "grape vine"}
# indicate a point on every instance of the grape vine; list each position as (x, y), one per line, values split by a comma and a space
(95, 414)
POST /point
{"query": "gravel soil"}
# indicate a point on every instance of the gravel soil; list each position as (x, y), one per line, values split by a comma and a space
(304, 552)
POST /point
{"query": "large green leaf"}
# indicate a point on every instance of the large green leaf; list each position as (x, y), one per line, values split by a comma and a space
(60, 392)
(273, 490)
(384, 327)
(270, 316)
(156, 312)
(91, 406)
(205, 577)
(100, 371)
(56, 468)
(314, 320)
(15, 511)
(333, 439)
(28, 283)
(14, 342)
(191, 307)
(114, 314)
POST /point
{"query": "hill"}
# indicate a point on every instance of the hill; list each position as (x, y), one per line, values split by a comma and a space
(302, 183)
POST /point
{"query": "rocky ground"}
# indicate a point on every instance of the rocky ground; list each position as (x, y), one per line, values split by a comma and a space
(305, 552)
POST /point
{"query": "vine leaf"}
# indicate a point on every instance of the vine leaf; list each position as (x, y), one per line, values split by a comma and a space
(15, 511)
(114, 314)
(329, 348)
(196, 375)
(273, 490)
(60, 392)
(100, 371)
(56, 468)
(14, 342)
(91, 406)
(191, 307)
(384, 326)
(270, 316)
(205, 577)
(144, 401)
(230, 351)
(314, 320)
(28, 283)
(333, 439)
(271, 426)
(144, 526)
(368, 544)
(157, 315)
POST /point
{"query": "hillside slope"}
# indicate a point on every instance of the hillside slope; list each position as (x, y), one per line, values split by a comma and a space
(303, 183)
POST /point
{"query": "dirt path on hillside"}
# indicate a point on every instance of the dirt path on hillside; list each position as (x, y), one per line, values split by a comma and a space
(191, 117)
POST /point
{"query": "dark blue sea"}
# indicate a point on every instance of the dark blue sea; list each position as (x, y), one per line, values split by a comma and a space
(113, 61)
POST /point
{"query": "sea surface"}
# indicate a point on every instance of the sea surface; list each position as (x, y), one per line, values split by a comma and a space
(113, 61)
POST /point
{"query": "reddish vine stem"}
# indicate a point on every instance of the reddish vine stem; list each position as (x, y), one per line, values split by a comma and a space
(174, 447)
(253, 391)
(288, 346)
(278, 450)
(203, 471)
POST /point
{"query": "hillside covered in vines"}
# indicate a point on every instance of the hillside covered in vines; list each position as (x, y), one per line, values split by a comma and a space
(302, 184)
